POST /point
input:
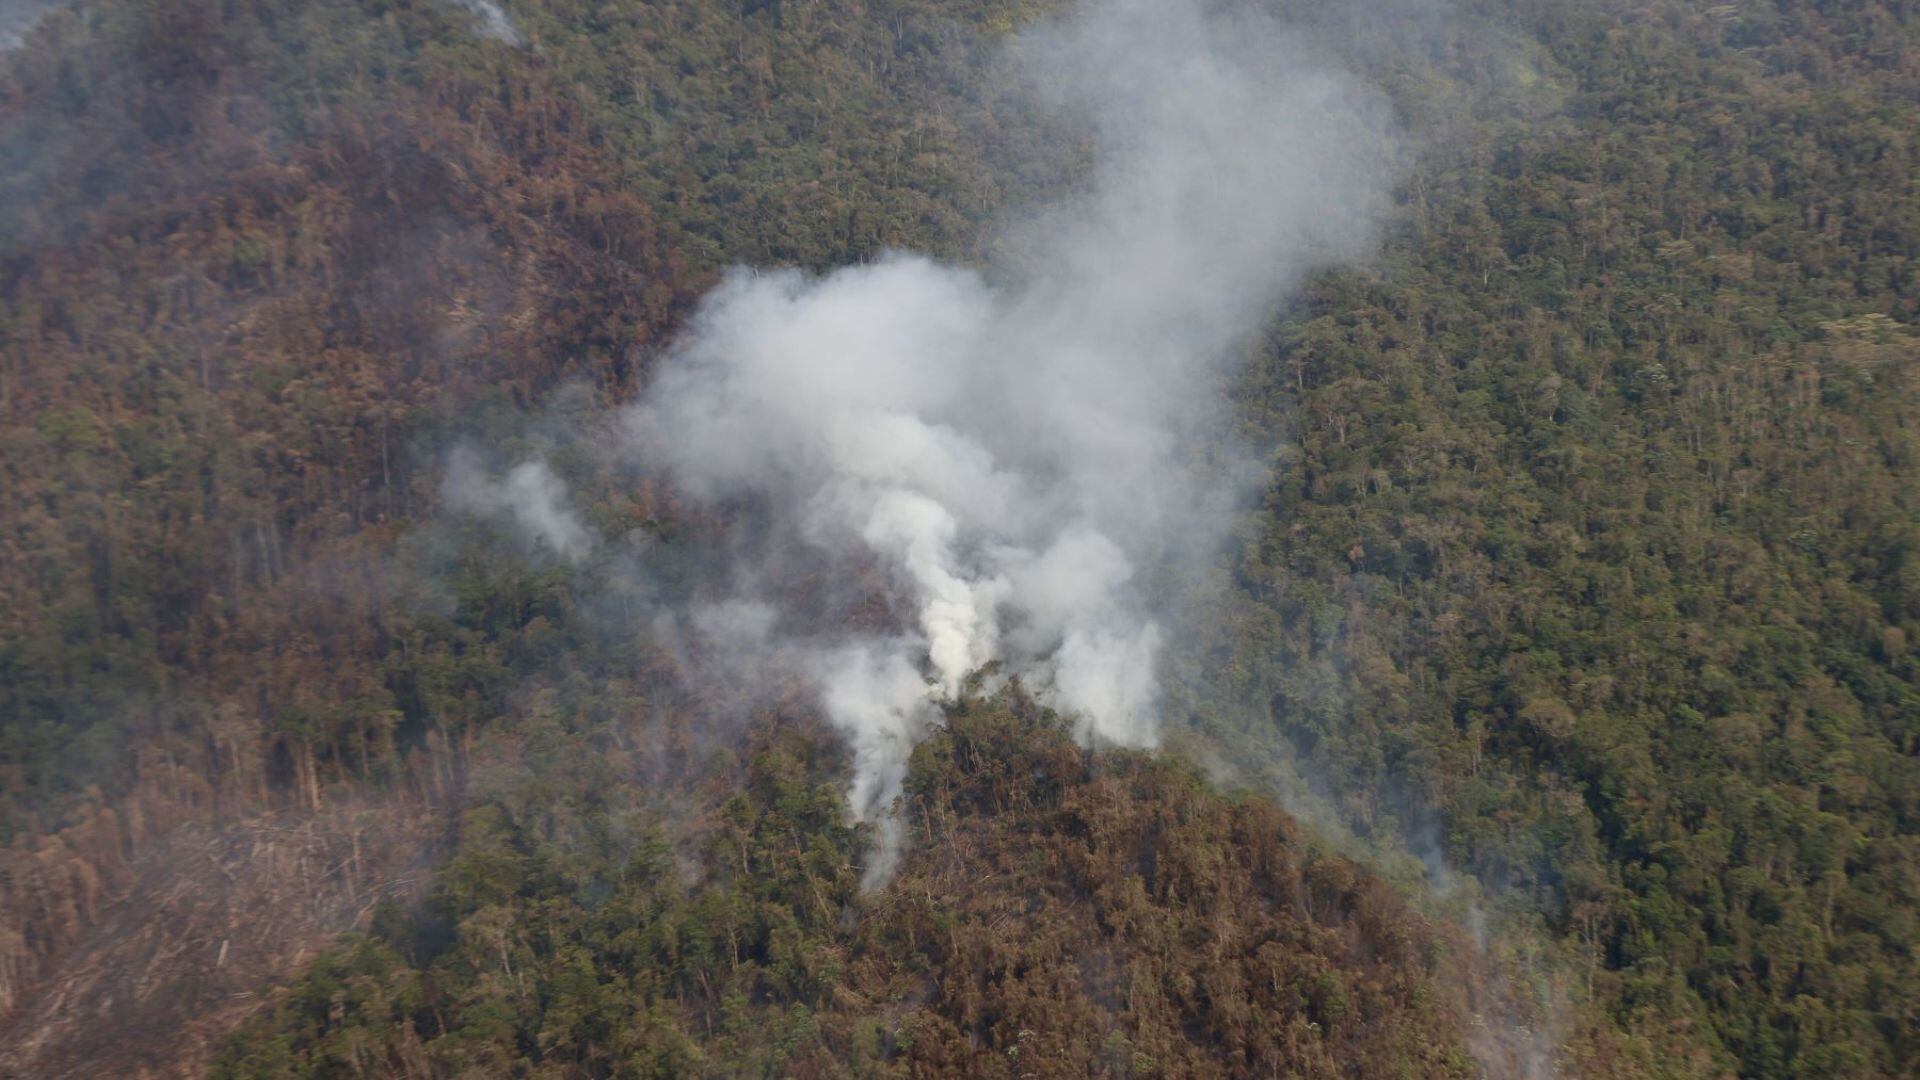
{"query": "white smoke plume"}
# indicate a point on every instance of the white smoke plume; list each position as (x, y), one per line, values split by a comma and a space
(19, 17)
(1017, 449)
(493, 21)
(530, 500)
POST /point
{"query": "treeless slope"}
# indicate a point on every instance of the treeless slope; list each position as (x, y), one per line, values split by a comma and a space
(208, 916)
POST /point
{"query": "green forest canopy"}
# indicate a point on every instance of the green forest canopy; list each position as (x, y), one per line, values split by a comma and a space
(1592, 543)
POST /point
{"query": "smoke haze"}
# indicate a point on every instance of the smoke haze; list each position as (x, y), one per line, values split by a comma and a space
(1017, 449)
(530, 501)
(492, 21)
(19, 17)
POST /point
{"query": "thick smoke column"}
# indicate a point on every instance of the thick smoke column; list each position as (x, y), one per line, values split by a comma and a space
(1016, 450)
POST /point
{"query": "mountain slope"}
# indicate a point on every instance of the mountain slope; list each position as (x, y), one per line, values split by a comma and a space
(1064, 914)
(1589, 566)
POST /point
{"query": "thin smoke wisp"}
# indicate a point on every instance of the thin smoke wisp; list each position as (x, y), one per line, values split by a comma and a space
(492, 21)
(530, 500)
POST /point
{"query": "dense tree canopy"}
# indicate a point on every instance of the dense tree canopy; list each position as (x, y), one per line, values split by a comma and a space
(1589, 566)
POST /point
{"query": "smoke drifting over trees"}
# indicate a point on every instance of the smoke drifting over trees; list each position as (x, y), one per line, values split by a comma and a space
(530, 499)
(1580, 602)
(1017, 448)
(492, 20)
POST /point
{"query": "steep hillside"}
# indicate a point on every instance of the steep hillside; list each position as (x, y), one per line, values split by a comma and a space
(1066, 914)
(242, 280)
(1583, 595)
(1596, 517)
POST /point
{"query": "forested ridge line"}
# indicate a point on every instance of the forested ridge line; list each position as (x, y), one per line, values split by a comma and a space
(1598, 524)
(1591, 542)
